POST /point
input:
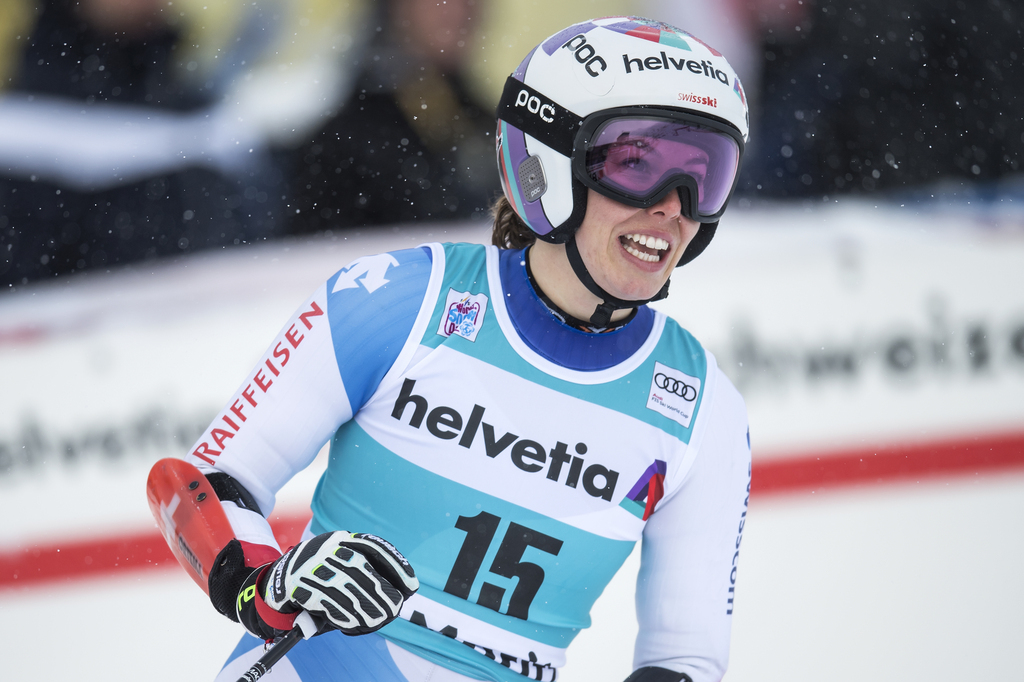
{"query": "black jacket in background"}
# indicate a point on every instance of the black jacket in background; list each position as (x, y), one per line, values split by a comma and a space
(409, 145)
(47, 229)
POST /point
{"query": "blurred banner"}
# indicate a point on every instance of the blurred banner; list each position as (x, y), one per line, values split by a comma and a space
(873, 344)
(879, 345)
(870, 343)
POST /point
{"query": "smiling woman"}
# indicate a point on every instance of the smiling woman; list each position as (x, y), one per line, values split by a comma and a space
(513, 419)
(618, 133)
(630, 254)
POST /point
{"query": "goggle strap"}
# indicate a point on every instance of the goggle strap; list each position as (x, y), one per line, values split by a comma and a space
(603, 313)
(538, 116)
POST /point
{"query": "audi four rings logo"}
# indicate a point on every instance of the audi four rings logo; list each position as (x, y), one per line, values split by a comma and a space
(673, 385)
(674, 394)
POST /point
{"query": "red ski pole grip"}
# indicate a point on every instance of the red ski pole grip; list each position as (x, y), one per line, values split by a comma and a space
(189, 516)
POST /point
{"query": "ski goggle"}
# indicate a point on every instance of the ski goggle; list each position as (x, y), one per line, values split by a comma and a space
(636, 156)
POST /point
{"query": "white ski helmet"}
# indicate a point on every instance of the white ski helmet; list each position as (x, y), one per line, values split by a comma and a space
(588, 88)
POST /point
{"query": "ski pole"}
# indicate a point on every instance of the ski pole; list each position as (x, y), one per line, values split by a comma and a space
(305, 628)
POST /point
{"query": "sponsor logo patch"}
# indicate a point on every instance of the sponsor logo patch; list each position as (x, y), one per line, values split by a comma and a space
(698, 99)
(535, 105)
(586, 54)
(673, 394)
(446, 423)
(706, 68)
(464, 314)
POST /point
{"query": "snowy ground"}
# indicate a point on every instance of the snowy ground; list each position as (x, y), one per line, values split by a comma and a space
(844, 327)
(909, 582)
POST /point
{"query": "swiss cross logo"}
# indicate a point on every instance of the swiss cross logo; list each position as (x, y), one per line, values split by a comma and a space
(463, 314)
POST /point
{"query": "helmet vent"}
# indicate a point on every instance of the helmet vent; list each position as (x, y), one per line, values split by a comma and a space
(531, 178)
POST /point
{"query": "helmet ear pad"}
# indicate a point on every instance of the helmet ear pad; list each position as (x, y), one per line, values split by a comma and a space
(563, 194)
(700, 241)
(562, 233)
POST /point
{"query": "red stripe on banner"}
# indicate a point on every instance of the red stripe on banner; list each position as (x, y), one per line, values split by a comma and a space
(97, 557)
(67, 561)
(888, 464)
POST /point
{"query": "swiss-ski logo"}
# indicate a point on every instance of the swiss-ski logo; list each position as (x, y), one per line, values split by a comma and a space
(463, 314)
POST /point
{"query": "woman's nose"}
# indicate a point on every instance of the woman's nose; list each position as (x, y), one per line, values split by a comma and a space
(670, 205)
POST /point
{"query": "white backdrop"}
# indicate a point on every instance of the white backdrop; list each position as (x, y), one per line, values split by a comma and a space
(844, 326)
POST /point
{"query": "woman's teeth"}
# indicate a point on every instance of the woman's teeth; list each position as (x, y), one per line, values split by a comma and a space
(656, 243)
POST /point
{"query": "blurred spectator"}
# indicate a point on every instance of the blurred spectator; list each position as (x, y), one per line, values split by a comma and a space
(411, 142)
(106, 50)
(99, 78)
(891, 95)
(739, 29)
(735, 28)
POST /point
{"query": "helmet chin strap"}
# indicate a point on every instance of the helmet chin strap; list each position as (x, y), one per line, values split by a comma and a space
(603, 313)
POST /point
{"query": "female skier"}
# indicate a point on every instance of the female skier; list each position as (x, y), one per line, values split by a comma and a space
(506, 422)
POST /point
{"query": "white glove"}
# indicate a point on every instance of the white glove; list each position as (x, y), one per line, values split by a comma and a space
(356, 582)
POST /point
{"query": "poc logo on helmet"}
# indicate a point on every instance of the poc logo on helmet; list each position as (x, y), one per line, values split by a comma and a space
(586, 54)
(534, 105)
